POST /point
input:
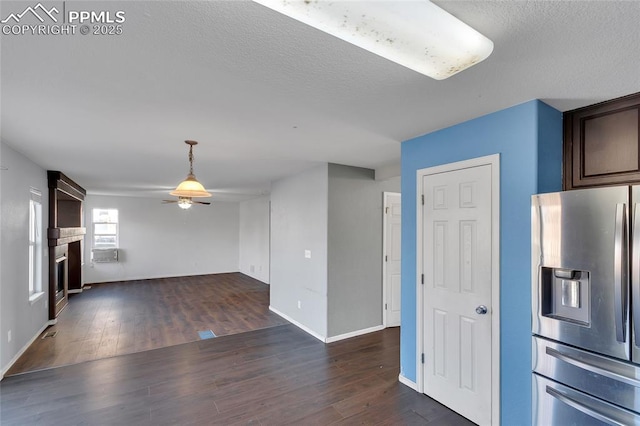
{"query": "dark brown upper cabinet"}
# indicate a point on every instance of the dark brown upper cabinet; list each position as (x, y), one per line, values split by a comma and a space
(602, 144)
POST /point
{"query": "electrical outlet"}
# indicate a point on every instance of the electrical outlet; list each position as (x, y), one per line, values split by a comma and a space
(9, 336)
(299, 304)
(307, 254)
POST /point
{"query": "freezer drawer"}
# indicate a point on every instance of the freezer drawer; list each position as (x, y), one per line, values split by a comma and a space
(606, 378)
(556, 404)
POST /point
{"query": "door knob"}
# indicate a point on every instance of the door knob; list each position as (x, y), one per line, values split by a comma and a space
(481, 310)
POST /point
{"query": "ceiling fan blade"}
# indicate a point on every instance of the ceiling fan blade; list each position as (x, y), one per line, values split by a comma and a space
(169, 201)
(201, 202)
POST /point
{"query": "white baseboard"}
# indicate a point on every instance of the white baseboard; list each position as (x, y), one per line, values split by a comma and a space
(354, 333)
(297, 324)
(25, 347)
(408, 382)
(322, 338)
(154, 277)
(74, 291)
(255, 276)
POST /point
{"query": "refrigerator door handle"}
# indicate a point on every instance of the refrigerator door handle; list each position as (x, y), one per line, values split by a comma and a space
(635, 274)
(566, 399)
(593, 368)
(618, 276)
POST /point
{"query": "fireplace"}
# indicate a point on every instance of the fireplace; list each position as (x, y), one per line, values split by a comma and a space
(61, 275)
(66, 235)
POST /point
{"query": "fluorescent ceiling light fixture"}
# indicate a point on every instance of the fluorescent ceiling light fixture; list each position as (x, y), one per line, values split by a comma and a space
(416, 34)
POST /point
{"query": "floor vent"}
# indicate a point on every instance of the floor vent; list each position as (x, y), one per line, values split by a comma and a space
(50, 334)
(207, 334)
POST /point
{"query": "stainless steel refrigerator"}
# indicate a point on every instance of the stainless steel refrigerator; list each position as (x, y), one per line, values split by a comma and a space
(586, 307)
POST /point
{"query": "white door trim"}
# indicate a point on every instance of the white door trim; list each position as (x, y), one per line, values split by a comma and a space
(385, 204)
(494, 162)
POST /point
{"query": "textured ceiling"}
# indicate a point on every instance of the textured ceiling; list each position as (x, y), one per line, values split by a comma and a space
(267, 96)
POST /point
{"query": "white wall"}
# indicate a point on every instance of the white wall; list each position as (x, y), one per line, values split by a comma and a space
(162, 240)
(254, 238)
(355, 248)
(299, 223)
(335, 212)
(2, 365)
(25, 320)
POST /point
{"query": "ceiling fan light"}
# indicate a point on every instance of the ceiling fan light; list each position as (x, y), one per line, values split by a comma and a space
(415, 34)
(184, 203)
(190, 187)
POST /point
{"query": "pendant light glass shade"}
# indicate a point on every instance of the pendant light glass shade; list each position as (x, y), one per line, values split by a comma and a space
(416, 34)
(190, 187)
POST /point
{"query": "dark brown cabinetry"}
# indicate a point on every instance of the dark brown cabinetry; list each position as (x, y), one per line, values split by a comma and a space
(602, 144)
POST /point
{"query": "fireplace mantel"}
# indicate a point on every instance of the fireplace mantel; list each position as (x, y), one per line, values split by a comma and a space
(59, 236)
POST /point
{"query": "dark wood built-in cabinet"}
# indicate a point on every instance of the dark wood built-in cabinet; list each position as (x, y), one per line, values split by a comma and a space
(602, 144)
(66, 238)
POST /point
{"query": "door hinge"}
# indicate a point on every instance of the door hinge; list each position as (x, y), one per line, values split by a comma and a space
(386, 210)
(422, 358)
(422, 279)
(385, 306)
(423, 199)
(386, 258)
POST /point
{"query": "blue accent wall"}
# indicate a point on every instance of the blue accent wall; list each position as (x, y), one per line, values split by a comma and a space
(528, 138)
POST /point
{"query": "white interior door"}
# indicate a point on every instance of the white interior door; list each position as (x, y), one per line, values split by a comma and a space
(392, 254)
(457, 305)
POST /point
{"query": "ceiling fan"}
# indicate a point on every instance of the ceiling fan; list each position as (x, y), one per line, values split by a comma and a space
(189, 188)
(185, 202)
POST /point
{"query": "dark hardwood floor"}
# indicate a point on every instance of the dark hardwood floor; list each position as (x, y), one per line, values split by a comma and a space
(134, 316)
(273, 375)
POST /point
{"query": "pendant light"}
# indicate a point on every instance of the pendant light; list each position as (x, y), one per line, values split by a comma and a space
(190, 187)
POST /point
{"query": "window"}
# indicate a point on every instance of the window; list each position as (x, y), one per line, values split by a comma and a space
(35, 245)
(105, 228)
